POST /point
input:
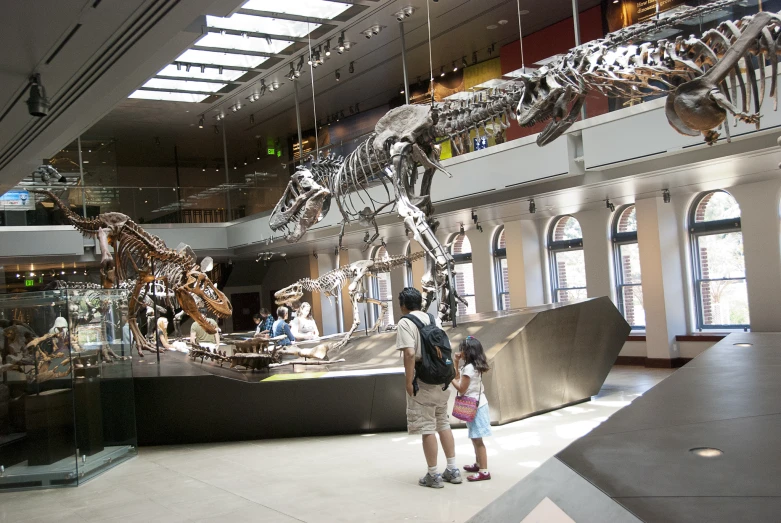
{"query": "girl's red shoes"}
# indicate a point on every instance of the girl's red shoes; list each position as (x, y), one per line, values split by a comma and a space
(480, 476)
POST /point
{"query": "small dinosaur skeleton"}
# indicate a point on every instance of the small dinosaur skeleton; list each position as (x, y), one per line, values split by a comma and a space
(702, 77)
(40, 366)
(143, 257)
(330, 284)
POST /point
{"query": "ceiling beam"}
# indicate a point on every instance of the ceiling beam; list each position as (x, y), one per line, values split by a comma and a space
(286, 16)
(236, 51)
(188, 79)
(252, 34)
(215, 66)
(187, 91)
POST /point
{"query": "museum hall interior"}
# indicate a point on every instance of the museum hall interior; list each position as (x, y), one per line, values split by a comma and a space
(390, 260)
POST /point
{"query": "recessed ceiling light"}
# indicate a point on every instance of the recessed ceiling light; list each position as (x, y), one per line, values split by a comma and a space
(743, 344)
(491, 27)
(524, 12)
(502, 22)
(706, 452)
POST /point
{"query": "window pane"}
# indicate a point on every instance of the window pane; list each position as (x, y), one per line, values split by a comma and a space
(717, 205)
(465, 282)
(571, 295)
(634, 312)
(462, 245)
(505, 301)
(505, 275)
(721, 256)
(500, 243)
(259, 24)
(471, 309)
(316, 8)
(567, 228)
(570, 269)
(627, 222)
(239, 43)
(630, 263)
(724, 302)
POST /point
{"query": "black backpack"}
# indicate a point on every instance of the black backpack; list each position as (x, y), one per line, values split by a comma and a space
(436, 362)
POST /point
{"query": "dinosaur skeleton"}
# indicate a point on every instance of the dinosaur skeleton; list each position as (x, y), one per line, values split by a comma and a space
(40, 366)
(143, 257)
(702, 77)
(330, 284)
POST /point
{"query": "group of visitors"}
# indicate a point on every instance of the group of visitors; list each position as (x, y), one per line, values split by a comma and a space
(302, 328)
(429, 370)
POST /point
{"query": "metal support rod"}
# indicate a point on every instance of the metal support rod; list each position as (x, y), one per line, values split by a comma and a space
(178, 184)
(81, 177)
(298, 122)
(452, 295)
(576, 23)
(404, 63)
(154, 308)
(227, 172)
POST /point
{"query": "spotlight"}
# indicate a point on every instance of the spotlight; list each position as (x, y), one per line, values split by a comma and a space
(532, 206)
(178, 66)
(200, 122)
(357, 108)
(292, 74)
(666, 195)
(442, 71)
(251, 121)
(187, 68)
(235, 107)
(454, 66)
(309, 62)
(352, 67)
(338, 75)
(203, 69)
(37, 104)
(461, 229)
(220, 70)
(609, 205)
(340, 49)
(408, 11)
(275, 85)
(327, 48)
(216, 130)
(300, 66)
(262, 87)
(401, 91)
(463, 61)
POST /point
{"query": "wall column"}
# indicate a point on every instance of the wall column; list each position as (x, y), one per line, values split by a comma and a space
(482, 270)
(330, 325)
(597, 252)
(762, 251)
(524, 263)
(658, 235)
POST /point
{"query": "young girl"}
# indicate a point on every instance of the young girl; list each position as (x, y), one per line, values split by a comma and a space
(470, 366)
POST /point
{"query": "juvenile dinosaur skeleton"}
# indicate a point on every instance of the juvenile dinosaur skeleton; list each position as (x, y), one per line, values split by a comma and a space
(143, 257)
(702, 77)
(330, 284)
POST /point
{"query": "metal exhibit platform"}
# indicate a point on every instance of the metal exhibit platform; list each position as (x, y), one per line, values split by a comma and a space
(702, 445)
(542, 358)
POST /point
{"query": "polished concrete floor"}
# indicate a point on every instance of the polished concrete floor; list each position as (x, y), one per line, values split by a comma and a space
(370, 477)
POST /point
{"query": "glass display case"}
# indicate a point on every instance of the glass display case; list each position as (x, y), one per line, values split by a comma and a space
(66, 397)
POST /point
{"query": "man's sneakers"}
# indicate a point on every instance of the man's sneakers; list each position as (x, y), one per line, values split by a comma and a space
(452, 476)
(431, 480)
(480, 476)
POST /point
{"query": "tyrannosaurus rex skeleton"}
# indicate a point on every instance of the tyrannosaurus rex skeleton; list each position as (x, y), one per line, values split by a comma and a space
(330, 284)
(144, 257)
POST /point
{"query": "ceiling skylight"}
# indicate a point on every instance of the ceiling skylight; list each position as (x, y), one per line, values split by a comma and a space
(228, 41)
(217, 58)
(168, 96)
(260, 24)
(183, 85)
(313, 8)
(211, 73)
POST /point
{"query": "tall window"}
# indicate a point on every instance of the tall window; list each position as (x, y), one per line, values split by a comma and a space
(500, 271)
(381, 288)
(719, 268)
(628, 277)
(461, 250)
(568, 266)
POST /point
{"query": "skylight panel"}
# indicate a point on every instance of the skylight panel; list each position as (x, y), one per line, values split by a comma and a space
(183, 85)
(239, 43)
(261, 24)
(211, 73)
(217, 58)
(168, 96)
(313, 8)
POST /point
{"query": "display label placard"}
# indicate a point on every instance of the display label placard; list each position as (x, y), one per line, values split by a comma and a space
(16, 200)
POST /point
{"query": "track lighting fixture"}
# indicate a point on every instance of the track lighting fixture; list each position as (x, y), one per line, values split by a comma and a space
(357, 108)
(204, 168)
(251, 121)
(327, 48)
(609, 205)
(216, 130)
(220, 116)
(463, 61)
(341, 113)
(187, 68)
(300, 66)
(262, 87)
(442, 71)
(178, 66)
(532, 206)
(37, 105)
(666, 195)
(474, 57)
(310, 61)
(341, 48)
(352, 67)
(275, 85)
(292, 74)
(461, 229)
(200, 122)
(401, 91)
(203, 69)
(220, 70)
(372, 31)
(337, 75)
(455, 68)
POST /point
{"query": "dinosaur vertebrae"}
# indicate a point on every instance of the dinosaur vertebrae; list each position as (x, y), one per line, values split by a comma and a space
(350, 182)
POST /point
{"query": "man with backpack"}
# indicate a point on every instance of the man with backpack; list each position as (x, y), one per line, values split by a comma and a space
(428, 368)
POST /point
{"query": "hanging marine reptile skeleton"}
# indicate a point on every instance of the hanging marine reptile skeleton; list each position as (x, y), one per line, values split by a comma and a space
(330, 284)
(143, 257)
(702, 77)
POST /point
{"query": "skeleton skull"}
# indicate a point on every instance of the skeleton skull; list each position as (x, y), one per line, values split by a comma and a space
(290, 294)
(199, 286)
(543, 99)
(303, 204)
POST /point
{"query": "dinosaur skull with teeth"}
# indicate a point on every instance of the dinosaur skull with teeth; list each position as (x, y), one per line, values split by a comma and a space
(290, 294)
(199, 288)
(301, 206)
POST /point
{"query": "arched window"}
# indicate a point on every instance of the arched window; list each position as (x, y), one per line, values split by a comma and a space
(628, 276)
(409, 279)
(719, 268)
(381, 288)
(568, 266)
(500, 271)
(461, 250)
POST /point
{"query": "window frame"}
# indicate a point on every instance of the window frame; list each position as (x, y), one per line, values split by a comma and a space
(696, 231)
(500, 254)
(374, 291)
(619, 239)
(461, 259)
(555, 247)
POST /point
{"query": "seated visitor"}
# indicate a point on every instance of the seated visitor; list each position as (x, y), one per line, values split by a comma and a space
(281, 328)
(303, 325)
(199, 336)
(267, 320)
(162, 334)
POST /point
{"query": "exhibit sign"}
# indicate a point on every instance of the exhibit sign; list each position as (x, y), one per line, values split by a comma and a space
(623, 13)
(16, 200)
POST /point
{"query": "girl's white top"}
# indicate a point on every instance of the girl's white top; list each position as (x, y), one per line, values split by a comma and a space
(476, 388)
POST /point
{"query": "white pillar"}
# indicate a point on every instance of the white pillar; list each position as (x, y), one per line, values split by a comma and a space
(762, 251)
(524, 263)
(658, 235)
(350, 256)
(597, 252)
(330, 325)
(397, 277)
(482, 269)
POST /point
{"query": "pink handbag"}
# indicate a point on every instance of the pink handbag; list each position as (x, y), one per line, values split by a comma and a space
(465, 408)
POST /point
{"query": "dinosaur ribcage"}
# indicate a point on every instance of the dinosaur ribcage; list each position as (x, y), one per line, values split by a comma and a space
(360, 169)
